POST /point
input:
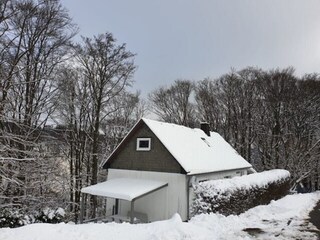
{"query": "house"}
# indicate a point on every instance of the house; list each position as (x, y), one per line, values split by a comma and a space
(151, 172)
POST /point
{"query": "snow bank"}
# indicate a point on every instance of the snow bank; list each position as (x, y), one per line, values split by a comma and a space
(235, 195)
(282, 219)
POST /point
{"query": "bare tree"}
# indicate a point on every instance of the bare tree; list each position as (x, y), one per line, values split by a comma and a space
(75, 115)
(36, 37)
(108, 68)
(270, 117)
(208, 106)
(227, 103)
(288, 133)
(173, 104)
(130, 109)
(277, 92)
(4, 15)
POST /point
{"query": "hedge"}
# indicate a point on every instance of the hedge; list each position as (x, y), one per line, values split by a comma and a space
(238, 194)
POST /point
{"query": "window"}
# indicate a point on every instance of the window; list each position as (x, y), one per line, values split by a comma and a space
(239, 173)
(143, 144)
(203, 139)
(204, 180)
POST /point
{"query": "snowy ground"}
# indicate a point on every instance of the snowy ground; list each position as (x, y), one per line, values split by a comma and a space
(282, 219)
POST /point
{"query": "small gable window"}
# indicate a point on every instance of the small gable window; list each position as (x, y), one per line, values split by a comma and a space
(203, 139)
(143, 144)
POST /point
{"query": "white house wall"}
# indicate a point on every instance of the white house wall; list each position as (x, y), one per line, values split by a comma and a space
(159, 205)
(220, 175)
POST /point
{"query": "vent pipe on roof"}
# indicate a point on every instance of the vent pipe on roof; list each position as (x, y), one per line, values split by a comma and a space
(204, 126)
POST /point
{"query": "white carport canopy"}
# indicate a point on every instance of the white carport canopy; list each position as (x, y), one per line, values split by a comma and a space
(124, 188)
(128, 189)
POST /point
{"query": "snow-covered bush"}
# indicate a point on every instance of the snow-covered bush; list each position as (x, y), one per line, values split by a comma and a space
(49, 215)
(238, 194)
(14, 217)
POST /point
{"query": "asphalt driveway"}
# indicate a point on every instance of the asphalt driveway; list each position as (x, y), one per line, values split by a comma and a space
(315, 217)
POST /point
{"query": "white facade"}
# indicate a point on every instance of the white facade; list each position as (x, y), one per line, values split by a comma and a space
(177, 197)
(220, 175)
(161, 204)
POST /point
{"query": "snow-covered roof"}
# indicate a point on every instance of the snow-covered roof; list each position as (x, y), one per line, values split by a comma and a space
(196, 151)
(124, 188)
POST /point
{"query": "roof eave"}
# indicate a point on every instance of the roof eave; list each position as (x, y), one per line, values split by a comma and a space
(199, 172)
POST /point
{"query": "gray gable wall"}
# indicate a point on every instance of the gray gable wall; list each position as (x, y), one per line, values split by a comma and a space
(158, 159)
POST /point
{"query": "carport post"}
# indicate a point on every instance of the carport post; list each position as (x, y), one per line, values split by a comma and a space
(131, 212)
(82, 208)
(116, 211)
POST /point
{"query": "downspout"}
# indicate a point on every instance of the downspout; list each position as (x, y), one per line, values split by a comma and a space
(188, 200)
(191, 182)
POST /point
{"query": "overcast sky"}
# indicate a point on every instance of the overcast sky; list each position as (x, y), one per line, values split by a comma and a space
(194, 39)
